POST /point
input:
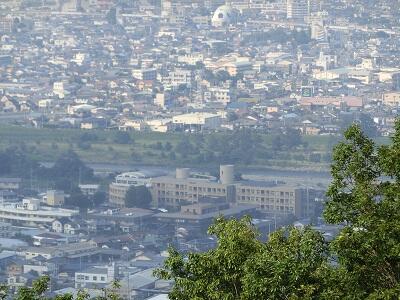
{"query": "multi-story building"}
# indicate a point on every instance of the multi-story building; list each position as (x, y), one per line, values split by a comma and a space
(396, 81)
(6, 24)
(179, 77)
(89, 189)
(95, 277)
(297, 10)
(391, 99)
(55, 198)
(196, 218)
(6, 230)
(182, 189)
(145, 74)
(276, 199)
(222, 95)
(191, 59)
(122, 183)
(271, 198)
(30, 212)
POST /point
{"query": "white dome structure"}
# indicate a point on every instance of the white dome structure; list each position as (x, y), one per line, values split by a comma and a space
(223, 16)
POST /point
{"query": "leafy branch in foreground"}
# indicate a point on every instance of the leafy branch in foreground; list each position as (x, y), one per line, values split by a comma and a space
(362, 262)
(40, 287)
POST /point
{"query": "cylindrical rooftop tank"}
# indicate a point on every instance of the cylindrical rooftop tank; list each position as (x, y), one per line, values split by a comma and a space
(182, 173)
(227, 174)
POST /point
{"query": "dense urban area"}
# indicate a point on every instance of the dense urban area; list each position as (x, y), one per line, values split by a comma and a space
(128, 127)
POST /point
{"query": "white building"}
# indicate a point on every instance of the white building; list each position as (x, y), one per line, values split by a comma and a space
(222, 95)
(96, 276)
(197, 121)
(145, 74)
(318, 31)
(297, 10)
(54, 198)
(179, 77)
(326, 61)
(225, 15)
(122, 183)
(160, 125)
(89, 189)
(58, 89)
(30, 212)
(191, 59)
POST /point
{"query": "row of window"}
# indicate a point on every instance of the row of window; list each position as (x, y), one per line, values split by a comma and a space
(262, 199)
(277, 208)
(192, 188)
(267, 192)
(86, 277)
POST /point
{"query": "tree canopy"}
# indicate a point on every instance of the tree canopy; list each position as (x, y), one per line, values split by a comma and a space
(138, 196)
(362, 261)
(39, 288)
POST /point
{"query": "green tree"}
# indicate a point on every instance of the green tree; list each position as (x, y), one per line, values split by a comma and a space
(40, 286)
(138, 196)
(5, 163)
(168, 146)
(368, 125)
(122, 137)
(69, 165)
(289, 266)
(364, 195)
(362, 262)
(78, 199)
(98, 198)
(242, 267)
(215, 274)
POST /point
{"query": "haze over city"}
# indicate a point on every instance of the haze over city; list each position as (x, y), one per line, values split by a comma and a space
(174, 149)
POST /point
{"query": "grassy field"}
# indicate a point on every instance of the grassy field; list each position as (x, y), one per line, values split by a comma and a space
(48, 144)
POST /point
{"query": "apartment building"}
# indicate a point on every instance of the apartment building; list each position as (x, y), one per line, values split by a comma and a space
(95, 277)
(391, 99)
(179, 77)
(271, 198)
(168, 191)
(122, 183)
(30, 212)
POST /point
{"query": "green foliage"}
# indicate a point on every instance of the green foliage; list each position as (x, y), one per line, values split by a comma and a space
(77, 198)
(215, 274)
(242, 267)
(362, 262)
(14, 160)
(98, 198)
(289, 140)
(37, 291)
(122, 137)
(39, 288)
(241, 146)
(289, 266)
(364, 195)
(138, 196)
(69, 165)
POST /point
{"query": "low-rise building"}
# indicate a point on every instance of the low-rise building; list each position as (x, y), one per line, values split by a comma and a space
(10, 183)
(391, 99)
(95, 277)
(197, 121)
(55, 198)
